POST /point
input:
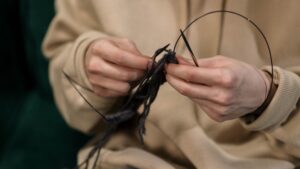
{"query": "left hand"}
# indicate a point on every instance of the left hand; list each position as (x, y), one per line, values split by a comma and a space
(224, 88)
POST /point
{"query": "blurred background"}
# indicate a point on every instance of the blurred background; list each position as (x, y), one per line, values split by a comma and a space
(32, 133)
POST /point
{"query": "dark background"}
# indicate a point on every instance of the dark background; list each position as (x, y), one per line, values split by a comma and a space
(32, 133)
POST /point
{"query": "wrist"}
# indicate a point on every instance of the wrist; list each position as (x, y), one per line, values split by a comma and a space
(267, 80)
(270, 92)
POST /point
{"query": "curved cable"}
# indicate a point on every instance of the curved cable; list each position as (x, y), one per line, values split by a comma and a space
(244, 17)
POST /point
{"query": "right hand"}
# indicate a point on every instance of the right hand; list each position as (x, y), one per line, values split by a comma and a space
(112, 64)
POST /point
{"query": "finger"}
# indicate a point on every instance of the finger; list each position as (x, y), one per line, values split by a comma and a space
(204, 62)
(113, 54)
(106, 93)
(195, 74)
(190, 89)
(211, 62)
(105, 68)
(212, 114)
(218, 108)
(111, 84)
(219, 95)
(128, 46)
(218, 112)
(222, 97)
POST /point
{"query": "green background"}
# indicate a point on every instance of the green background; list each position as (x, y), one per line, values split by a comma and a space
(32, 133)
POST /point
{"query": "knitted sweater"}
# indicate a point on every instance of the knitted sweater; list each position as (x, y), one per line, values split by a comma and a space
(179, 134)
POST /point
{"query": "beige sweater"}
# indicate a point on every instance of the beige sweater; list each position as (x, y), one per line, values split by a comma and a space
(179, 134)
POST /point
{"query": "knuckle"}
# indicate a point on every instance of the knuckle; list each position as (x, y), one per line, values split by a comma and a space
(228, 78)
(119, 59)
(97, 47)
(104, 70)
(191, 75)
(94, 82)
(225, 98)
(184, 90)
(93, 65)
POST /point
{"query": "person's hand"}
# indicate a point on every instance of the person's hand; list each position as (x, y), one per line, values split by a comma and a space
(223, 87)
(112, 64)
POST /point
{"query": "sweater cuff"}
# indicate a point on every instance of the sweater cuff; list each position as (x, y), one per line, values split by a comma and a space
(282, 104)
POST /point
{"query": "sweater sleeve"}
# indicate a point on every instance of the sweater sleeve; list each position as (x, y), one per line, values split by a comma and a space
(280, 120)
(67, 40)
